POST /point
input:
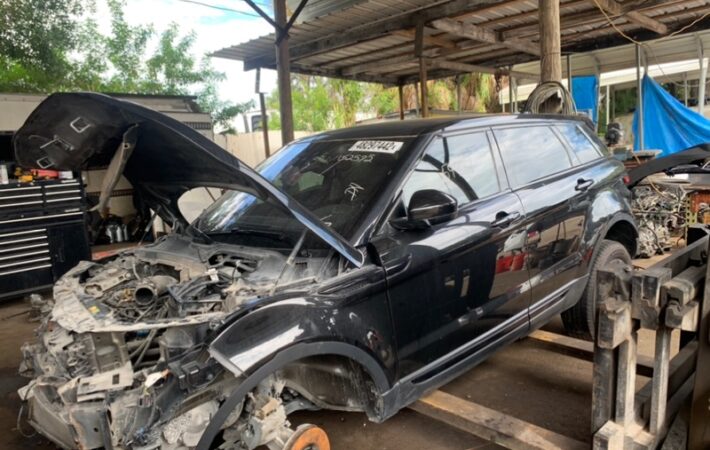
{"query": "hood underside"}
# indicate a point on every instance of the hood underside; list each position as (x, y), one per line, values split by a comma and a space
(73, 131)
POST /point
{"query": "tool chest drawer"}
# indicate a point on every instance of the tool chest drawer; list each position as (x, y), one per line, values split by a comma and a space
(39, 198)
(42, 234)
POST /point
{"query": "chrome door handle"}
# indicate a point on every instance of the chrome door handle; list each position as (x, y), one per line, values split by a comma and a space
(583, 185)
(503, 219)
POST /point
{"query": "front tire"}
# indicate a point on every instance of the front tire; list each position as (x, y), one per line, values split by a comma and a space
(580, 320)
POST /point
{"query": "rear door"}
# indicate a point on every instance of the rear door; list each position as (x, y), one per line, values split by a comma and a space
(542, 172)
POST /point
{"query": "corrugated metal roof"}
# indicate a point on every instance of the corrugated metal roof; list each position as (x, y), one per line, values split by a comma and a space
(372, 40)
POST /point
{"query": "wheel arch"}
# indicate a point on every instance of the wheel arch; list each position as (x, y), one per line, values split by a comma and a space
(622, 229)
(282, 359)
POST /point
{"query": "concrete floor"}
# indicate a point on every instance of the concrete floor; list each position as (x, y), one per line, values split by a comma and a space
(526, 380)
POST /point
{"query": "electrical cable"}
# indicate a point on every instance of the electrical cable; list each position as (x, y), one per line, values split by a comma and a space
(544, 92)
(646, 45)
(221, 8)
(629, 38)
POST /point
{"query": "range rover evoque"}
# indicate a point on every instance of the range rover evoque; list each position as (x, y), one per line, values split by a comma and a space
(352, 270)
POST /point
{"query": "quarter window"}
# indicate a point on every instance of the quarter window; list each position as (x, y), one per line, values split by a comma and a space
(531, 153)
(582, 146)
(461, 166)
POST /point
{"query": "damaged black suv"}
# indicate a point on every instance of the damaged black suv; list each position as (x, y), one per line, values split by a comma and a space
(353, 270)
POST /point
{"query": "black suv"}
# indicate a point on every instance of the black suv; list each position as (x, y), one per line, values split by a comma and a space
(353, 270)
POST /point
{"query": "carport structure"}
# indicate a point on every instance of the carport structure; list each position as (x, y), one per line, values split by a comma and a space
(399, 42)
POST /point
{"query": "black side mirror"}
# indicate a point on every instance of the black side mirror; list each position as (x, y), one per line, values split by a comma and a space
(426, 208)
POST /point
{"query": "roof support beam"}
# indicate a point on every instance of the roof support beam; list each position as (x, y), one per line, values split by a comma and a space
(610, 6)
(378, 66)
(472, 68)
(476, 33)
(438, 10)
(587, 17)
(428, 39)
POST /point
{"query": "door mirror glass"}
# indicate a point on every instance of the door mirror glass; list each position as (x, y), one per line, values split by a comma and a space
(428, 207)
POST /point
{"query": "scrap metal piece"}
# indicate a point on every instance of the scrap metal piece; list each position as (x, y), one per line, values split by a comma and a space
(111, 380)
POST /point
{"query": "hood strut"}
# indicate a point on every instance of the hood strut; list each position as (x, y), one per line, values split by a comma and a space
(115, 168)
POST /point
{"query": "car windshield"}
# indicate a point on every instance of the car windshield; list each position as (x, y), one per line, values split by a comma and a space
(336, 180)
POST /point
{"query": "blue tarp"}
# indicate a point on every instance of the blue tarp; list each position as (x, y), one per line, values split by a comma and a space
(585, 92)
(668, 125)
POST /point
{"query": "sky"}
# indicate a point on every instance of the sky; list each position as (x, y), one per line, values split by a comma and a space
(215, 29)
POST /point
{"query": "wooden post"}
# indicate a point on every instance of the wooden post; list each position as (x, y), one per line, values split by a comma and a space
(283, 68)
(550, 53)
(417, 106)
(400, 91)
(419, 53)
(569, 73)
(264, 118)
(607, 104)
(510, 94)
(264, 124)
(458, 93)
(423, 86)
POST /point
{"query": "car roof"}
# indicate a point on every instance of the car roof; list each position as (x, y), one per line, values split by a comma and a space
(416, 127)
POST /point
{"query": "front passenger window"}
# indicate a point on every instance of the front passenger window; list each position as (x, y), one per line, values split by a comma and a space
(461, 166)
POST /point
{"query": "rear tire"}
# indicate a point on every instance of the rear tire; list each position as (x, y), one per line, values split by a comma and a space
(580, 320)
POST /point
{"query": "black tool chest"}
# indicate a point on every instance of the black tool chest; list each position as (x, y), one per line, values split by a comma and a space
(42, 233)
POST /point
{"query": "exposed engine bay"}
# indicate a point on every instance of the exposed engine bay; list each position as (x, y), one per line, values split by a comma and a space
(660, 210)
(122, 358)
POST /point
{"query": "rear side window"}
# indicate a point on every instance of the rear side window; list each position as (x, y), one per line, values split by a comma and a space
(461, 166)
(582, 146)
(531, 153)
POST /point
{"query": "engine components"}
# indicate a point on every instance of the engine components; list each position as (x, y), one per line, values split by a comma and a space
(659, 209)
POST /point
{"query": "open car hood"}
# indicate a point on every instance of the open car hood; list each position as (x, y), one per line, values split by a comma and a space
(698, 153)
(161, 157)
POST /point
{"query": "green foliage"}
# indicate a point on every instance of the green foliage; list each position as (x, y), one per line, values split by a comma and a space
(624, 101)
(383, 100)
(54, 45)
(35, 38)
(319, 103)
(441, 94)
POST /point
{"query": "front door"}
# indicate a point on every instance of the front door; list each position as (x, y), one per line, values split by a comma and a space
(453, 282)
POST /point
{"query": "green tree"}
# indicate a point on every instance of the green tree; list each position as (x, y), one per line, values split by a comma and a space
(35, 38)
(382, 100)
(51, 45)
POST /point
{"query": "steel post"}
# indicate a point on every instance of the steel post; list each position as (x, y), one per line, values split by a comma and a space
(639, 100)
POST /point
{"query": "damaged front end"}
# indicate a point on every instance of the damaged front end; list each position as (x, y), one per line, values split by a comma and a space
(122, 360)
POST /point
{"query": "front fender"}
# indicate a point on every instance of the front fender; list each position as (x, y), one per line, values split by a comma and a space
(295, 328)
(267, 339)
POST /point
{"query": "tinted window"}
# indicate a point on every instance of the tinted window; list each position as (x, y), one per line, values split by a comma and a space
(531, 153)
(461, 166)
(583, 147)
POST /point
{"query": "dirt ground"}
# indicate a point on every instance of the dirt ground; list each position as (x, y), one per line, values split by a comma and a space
(527, 380)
